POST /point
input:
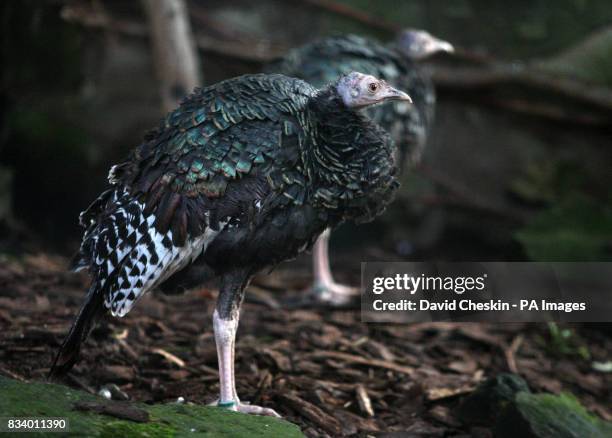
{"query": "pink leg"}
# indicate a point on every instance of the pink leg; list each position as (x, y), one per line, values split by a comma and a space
(325, 288)
(225, 336)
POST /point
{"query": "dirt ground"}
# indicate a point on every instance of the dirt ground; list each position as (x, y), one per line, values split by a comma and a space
(321, 369)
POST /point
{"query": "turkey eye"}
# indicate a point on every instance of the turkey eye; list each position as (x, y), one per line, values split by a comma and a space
(373, 86)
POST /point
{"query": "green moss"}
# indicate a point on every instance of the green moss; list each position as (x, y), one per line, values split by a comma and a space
(114, 429)
(564, 342)
(166, 420)
(550, 416)
(215, 422)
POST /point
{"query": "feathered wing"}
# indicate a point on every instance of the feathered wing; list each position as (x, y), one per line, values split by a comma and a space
(167, 201)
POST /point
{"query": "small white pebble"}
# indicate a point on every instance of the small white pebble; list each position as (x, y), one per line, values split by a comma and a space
(104, 392)
(192, 430)
(180, 400)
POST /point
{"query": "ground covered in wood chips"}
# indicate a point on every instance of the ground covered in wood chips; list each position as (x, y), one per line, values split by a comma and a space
(321, 369)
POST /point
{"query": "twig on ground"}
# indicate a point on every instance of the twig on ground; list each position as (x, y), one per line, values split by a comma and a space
(363, 399)
(169, 357)
(511, 352)
(377, 363)
(12, 375)
(312, 412)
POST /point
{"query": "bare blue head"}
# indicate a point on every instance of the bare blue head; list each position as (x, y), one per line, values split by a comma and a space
(358, 90)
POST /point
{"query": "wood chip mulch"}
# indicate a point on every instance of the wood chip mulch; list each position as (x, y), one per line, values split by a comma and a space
(321, 369)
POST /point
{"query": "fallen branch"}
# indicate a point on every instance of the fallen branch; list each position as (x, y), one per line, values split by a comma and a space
(354, 14)
(436, 394)
(377, 363)
(487, 75)
(12, 375)
(496, 76)
(314, 413)
(256, 51)
(549, 111)
(169, 357)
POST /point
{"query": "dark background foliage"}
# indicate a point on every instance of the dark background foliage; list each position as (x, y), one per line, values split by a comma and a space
(498, 181)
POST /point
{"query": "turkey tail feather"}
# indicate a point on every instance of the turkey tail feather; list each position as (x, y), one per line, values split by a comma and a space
(69, 351)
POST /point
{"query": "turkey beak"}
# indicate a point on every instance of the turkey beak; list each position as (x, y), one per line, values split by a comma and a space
(435, 45)
(394, 94)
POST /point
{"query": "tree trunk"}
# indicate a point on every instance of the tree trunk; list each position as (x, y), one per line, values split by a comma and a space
(174, 50)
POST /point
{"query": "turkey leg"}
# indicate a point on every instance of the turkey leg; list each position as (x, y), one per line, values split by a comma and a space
(225, 325)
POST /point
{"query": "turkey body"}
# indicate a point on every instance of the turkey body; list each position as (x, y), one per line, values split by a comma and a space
(320, 63)
(243, 175)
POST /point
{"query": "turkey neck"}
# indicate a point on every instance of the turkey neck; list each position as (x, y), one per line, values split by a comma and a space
(348, 158)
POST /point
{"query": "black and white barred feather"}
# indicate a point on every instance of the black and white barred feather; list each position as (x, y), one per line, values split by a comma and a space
(127, 257)
(122, 247)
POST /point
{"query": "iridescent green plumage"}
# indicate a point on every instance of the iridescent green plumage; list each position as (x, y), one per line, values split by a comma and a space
(266, 126)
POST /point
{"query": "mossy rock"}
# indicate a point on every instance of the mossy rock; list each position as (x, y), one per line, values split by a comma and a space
(162, 420)
(549, 416)
(483, 406)
(505, 404)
